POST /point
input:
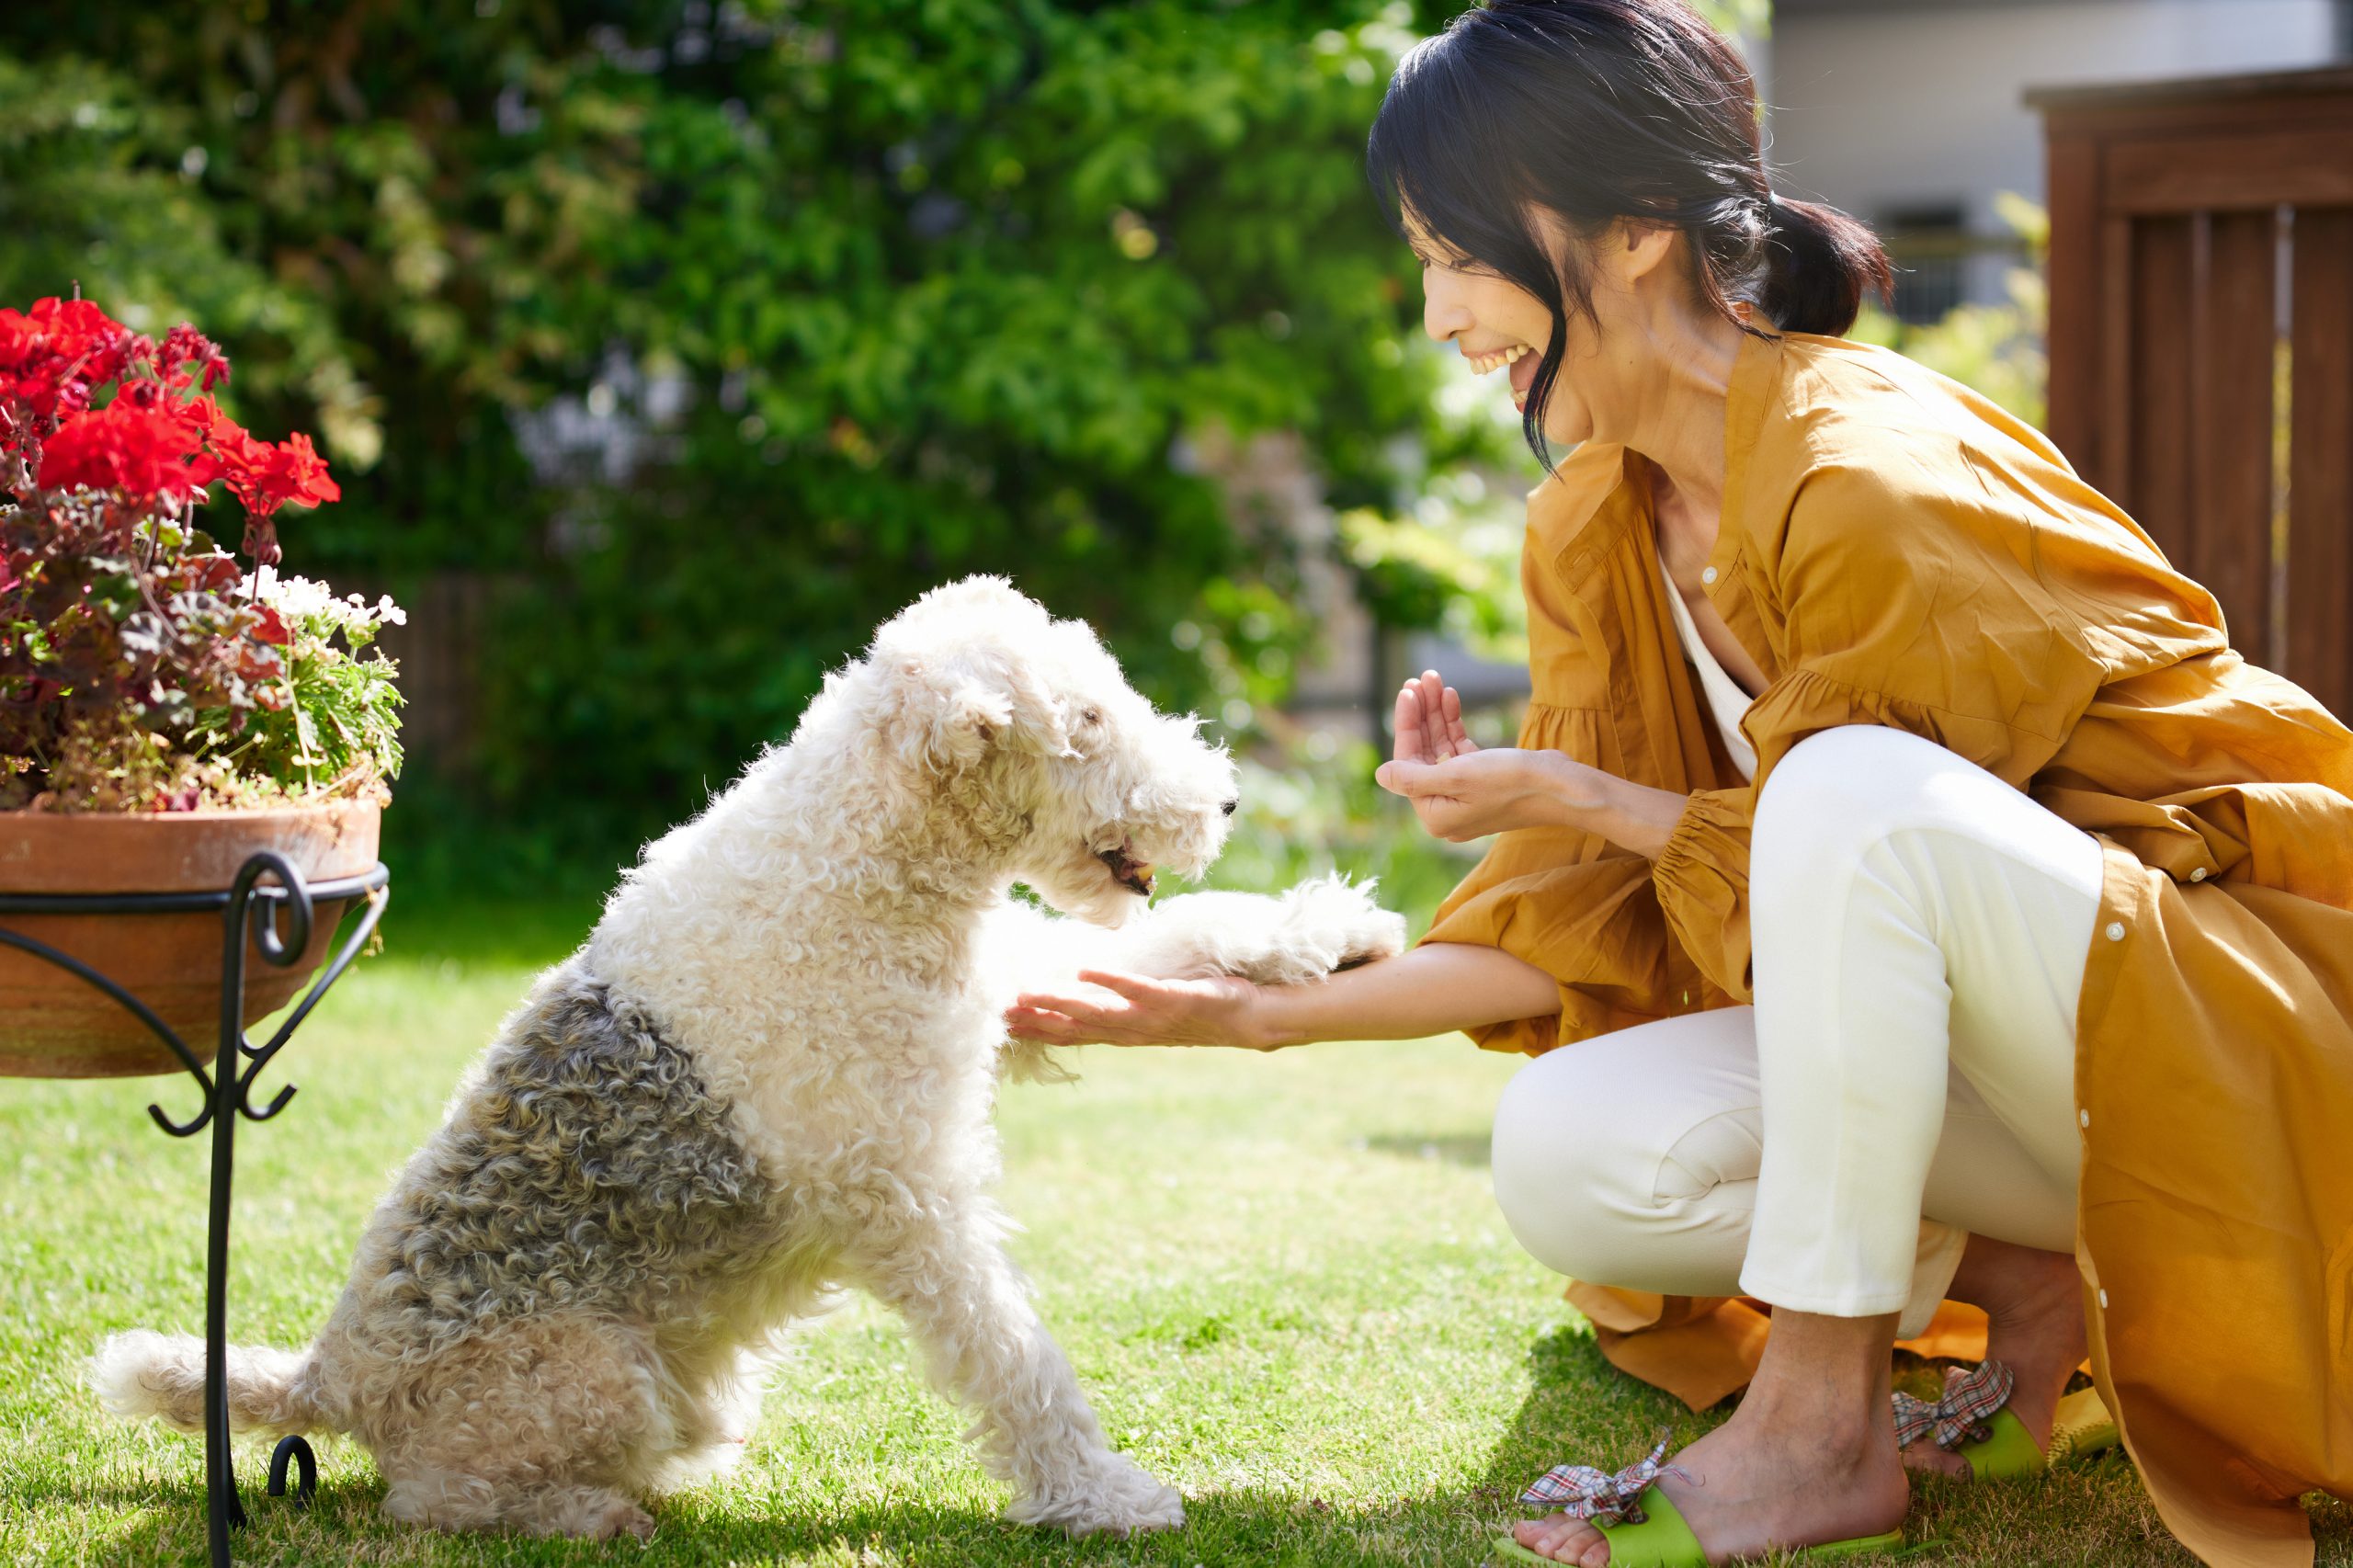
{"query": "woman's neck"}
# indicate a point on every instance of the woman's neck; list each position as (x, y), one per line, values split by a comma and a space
(1674, 414)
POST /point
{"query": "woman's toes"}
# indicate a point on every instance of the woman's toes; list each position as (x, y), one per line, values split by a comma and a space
(1563, 1539)
(1926, 1457)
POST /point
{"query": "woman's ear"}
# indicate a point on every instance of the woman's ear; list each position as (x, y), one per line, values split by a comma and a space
(1633, 249)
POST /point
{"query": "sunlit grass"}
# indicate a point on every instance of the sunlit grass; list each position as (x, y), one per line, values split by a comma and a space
(1283, 1279)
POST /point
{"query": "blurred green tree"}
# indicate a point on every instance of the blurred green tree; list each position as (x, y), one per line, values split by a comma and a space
(805, 306)
(714, 331)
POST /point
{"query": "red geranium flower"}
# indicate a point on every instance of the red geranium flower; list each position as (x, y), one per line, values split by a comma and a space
(263, 475)
(142, 453)
(52, 356)
(190, 357)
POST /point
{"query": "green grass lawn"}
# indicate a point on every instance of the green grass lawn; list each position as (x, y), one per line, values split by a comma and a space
(1283, 1279)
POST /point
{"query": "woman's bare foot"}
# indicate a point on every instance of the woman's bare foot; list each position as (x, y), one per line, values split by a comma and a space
(1808, 1458)
(2034, 1306)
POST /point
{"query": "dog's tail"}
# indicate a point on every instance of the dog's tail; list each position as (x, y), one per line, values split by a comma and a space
(146, 1374)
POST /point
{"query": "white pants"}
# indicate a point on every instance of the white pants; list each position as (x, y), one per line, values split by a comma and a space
(1918, 931)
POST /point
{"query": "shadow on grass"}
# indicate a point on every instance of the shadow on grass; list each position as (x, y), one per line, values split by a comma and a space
(1579, 1403)
(1579, 1408)
(1240, 1527)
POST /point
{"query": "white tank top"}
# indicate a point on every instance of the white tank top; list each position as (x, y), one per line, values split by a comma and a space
(1726, 700)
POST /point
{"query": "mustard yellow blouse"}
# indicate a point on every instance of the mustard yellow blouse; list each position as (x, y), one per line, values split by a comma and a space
(1897, 550)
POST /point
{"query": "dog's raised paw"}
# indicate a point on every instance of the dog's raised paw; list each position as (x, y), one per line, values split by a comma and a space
(1339, 920)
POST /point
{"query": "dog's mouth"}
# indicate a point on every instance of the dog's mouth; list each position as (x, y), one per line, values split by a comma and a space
(1129, 873)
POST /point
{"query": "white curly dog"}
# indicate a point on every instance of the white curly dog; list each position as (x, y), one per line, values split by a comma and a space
(768, 1073)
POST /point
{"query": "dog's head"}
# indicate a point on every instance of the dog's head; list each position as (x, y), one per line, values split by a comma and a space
(1037, 746)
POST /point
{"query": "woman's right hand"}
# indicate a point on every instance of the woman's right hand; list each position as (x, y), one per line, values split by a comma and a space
(1219, 1010)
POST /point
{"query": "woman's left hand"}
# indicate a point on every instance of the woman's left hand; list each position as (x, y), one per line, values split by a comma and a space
(1461, 792)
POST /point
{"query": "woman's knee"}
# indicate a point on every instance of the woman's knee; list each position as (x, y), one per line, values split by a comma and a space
(1601, 1154)
(1838, 792)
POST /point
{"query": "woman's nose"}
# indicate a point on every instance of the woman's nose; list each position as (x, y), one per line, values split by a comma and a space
(1443, 316)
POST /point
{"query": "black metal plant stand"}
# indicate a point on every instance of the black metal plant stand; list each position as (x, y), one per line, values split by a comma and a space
(247, 907)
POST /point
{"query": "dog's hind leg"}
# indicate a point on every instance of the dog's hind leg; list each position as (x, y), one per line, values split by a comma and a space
(536, 1425)
(967, 1305)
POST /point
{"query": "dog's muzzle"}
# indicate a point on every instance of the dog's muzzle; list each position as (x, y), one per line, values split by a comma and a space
(1133, 875)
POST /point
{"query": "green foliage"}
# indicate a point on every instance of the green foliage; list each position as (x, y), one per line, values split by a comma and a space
(839, 299)
(1320, 815)
(1996, 349)
(875, 295)
(340, 715)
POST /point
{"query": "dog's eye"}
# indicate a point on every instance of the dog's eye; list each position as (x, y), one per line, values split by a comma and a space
(1090, 717)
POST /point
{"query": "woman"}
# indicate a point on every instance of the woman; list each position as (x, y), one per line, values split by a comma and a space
(1907, 893)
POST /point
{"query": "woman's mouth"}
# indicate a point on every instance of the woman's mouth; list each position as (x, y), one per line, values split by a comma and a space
(1511, 354)
(1518, 360)
(1523, 376)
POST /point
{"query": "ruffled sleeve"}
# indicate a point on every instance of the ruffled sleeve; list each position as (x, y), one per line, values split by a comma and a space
(1882, 586)
(1575, 906)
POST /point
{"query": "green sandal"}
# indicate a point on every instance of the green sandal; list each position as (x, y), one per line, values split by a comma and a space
(1973, 1419)
(1644, 1527)
(1663, 1540)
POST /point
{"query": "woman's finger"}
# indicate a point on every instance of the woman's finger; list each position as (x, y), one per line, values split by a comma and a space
(1407, 723)
(1084, 1013)
(1433, 702)
(1055, 1029)
(1136, 988)
(1457, 736)
(1036, 1023)
(1410, 779)
(1047, 1001)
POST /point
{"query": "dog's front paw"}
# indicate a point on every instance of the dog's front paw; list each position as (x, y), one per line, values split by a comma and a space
(1326, 924)
(1359, 930)
(1113, 1495)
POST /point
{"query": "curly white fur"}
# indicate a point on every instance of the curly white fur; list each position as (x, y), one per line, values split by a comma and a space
(768, 1074)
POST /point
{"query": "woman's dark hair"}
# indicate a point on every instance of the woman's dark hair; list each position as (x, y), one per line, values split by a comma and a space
(1602, 109)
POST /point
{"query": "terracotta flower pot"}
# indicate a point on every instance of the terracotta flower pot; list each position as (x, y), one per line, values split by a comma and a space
(53, 1025)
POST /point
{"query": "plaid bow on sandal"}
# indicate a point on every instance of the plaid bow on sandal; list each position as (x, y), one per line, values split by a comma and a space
(1973, 1420)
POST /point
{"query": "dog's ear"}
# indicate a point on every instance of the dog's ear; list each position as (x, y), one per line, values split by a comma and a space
(971, 717)
(957, 672)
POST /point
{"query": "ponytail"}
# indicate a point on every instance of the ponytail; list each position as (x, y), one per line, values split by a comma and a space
(1818, 262)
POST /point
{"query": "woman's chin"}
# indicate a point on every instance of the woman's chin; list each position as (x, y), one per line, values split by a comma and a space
(1561, 431)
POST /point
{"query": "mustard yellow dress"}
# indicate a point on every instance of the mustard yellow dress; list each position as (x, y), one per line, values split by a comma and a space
(1897, 550)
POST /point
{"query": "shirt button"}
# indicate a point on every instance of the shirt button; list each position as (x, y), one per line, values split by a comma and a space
(2082, 1118)
(1709, 576)
(2198, 875)
(2116, 931)
(2103, 1298)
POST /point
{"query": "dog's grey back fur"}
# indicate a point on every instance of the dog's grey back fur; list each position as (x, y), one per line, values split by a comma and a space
(590, 1170)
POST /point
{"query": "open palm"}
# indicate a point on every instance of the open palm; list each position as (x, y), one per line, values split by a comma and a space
(1429, 729)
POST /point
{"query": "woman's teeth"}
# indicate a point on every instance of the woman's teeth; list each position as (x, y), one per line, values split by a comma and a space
(1482, 363)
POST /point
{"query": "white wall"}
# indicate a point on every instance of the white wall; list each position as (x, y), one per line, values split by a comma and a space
(1905, 105)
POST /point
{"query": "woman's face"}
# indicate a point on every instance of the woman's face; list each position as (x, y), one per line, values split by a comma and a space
(1502, 330)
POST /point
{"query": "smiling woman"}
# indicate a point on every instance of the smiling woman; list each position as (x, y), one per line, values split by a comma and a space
(1910, 894)
(1539, 125)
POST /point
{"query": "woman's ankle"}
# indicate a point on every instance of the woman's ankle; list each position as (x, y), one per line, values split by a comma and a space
(1828, 1377)
(2004, 1278)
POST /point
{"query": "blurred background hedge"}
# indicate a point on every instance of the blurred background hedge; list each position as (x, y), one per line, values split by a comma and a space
(698, 338)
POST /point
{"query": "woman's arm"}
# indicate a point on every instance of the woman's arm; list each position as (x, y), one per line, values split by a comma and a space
(1427, 991)
(1458, 791)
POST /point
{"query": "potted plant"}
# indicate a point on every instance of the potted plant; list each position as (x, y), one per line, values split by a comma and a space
(165, 708)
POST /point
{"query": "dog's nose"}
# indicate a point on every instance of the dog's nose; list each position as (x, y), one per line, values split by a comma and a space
(1231, 806)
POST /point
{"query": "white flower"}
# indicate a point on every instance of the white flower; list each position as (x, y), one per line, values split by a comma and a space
(315, 607)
